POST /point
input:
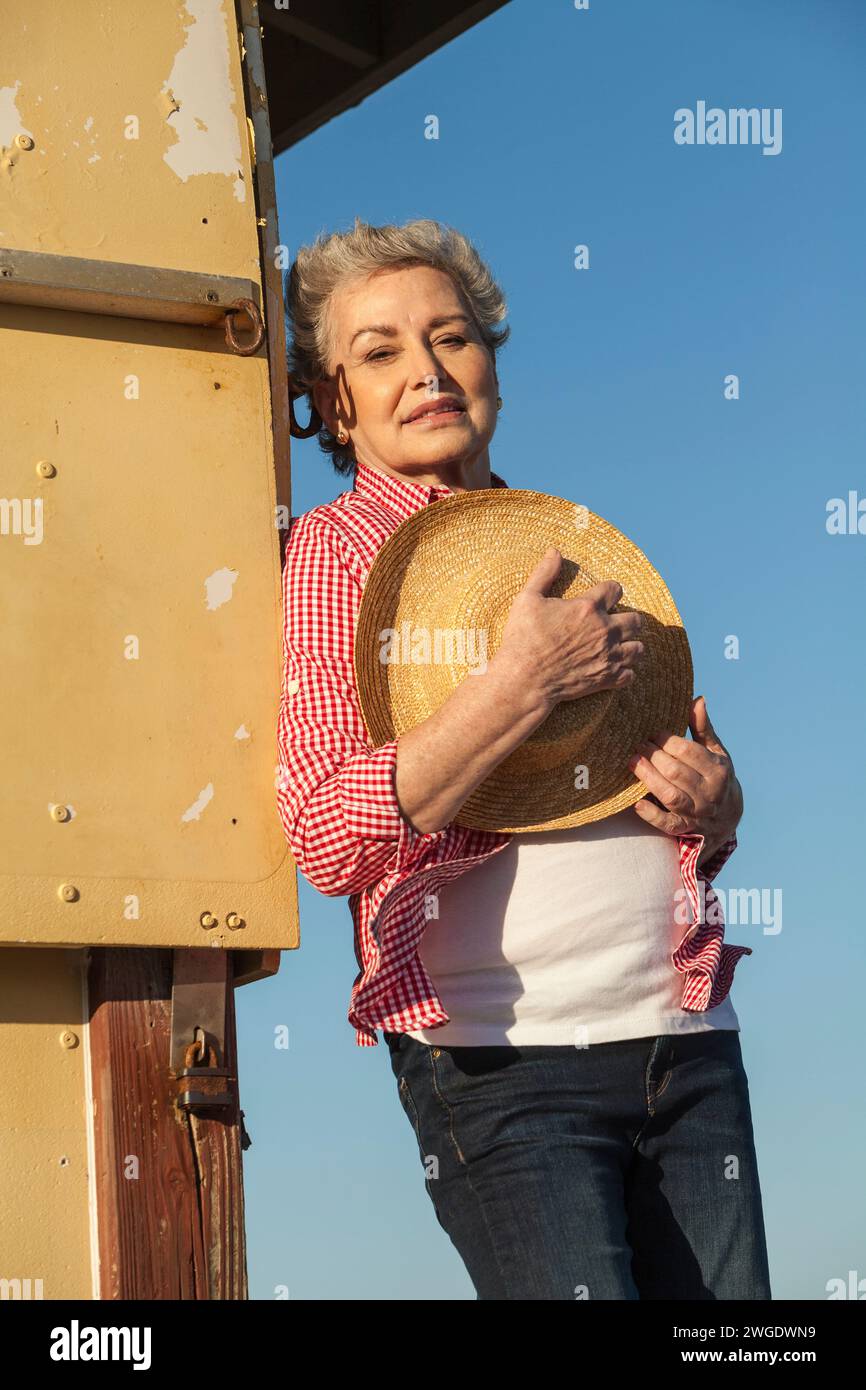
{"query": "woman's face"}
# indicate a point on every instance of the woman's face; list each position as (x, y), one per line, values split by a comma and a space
(403, 341)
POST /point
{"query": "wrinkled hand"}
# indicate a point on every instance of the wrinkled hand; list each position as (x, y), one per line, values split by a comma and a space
(568, 648)
(694, 780)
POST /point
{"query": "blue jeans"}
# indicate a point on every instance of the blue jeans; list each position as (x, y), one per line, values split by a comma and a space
(625, 1170)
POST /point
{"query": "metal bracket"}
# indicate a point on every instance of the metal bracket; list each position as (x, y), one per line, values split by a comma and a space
(124, 290)
(249, 966)
(198, 1002)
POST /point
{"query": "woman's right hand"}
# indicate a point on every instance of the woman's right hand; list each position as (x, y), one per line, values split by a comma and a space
(567, 648)
(552, 649)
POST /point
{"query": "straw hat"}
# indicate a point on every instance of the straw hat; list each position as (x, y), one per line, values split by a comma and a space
(433, 608)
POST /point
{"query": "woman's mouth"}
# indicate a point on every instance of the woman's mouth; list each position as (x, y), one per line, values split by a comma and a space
(438, 414)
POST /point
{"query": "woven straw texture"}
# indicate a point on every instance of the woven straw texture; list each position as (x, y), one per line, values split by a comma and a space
(433, 608)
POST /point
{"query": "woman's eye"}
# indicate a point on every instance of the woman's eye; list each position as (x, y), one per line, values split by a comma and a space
(381, 354)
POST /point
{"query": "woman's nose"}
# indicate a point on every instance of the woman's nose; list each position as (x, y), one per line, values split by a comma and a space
(433, 378)
(424, 364)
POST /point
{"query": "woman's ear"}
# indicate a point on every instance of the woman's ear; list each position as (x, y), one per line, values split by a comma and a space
(324, 399)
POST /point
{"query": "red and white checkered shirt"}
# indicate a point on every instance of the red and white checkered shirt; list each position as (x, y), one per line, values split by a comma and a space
(336, 795)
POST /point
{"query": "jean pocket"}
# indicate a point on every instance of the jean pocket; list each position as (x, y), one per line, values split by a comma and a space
(402, 1059)
(408, 1103)
(466, 1075)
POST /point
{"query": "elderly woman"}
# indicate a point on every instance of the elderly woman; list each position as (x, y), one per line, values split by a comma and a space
(622, 1167)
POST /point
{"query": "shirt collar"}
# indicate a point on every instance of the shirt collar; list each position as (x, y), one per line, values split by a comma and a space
(400, 495)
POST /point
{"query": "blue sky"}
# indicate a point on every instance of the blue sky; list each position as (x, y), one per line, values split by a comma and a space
(556, 128)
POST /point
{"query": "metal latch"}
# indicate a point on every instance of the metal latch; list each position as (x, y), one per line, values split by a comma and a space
(198, 1029)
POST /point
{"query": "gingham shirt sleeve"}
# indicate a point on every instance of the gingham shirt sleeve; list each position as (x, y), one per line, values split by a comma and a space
(335, 794)
(716, 862)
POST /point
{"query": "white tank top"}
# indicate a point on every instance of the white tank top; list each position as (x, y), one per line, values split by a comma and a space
(565, 937)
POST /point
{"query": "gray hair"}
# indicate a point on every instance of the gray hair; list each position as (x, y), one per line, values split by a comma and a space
(334, 259)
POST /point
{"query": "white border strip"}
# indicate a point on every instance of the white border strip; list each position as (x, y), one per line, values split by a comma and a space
(89, 1117)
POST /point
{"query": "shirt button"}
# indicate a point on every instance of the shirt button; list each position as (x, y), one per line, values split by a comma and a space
(293, 686)
(437, 1052)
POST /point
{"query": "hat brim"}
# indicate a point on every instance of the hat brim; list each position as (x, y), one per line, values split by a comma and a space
(432, 612)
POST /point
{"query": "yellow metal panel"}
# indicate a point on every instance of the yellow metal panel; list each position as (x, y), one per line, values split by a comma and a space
(123, 134)
(44, 1212)
(139, 561)
(139, 638)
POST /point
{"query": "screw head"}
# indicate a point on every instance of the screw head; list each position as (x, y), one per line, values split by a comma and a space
(68, 893)
(45, 469)
(60, 812)
(234, 921)
(24, 142)
(208, 920)
(68, 1039)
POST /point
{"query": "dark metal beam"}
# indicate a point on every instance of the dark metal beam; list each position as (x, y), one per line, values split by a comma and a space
(343, 28)
(310, 82)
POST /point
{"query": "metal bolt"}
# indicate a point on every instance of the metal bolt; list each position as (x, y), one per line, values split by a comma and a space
(207, 919)
(234, 921)
(68, 1038)
(68, 892)
(45, 469)
(24, 142)
(60, 812)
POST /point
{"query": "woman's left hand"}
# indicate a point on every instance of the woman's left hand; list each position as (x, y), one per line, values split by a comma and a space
(694, 780)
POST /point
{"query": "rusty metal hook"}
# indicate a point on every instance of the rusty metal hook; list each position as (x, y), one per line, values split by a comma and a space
(316, 422)
(201, 1052)
(245, 306)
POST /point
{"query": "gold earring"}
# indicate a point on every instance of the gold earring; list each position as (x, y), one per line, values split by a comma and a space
(342, 436)
(498, 402)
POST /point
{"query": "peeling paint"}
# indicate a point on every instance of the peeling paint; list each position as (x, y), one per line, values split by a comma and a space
(219, 587)
(242, 731)
(168, 103)
(54, 199)
(11, 123)
(203, 799)
(199, 84)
